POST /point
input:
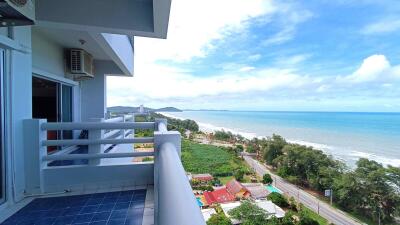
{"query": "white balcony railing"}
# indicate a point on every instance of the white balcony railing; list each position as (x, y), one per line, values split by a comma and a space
(175, 203)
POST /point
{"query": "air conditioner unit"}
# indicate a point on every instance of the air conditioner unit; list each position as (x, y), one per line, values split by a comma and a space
(17, 12)
(80, 64)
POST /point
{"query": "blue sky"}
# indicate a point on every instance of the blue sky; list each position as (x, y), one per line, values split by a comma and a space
(312, 55)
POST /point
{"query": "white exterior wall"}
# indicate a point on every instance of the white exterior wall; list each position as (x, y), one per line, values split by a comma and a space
(47, 55)
(93, 101)
(94, 91)
(18, 106)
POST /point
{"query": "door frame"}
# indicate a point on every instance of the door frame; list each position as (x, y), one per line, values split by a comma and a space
(59, 83)
(3, 155)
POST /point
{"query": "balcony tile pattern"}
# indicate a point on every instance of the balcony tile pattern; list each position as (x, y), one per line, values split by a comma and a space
(111, 208)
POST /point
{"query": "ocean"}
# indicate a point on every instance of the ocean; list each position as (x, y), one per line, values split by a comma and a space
(344, 135)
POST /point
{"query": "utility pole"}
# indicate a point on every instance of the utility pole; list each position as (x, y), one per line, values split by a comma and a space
(331, 196)
(318, 207)
(379, 217)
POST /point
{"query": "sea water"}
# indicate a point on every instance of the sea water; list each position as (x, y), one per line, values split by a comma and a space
(347, 136)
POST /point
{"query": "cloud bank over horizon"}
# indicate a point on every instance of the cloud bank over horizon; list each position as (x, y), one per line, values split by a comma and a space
(265, 55)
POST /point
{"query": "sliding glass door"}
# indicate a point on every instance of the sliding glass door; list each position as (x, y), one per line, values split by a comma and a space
(52, 101)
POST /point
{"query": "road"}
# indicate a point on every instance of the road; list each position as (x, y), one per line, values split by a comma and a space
(325, 210)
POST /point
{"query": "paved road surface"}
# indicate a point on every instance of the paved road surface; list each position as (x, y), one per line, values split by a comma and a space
(325, 210)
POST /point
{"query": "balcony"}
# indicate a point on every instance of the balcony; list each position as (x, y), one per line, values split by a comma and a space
(85, 171)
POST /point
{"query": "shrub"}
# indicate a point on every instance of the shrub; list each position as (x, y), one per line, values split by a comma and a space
(307, 221)
(278, 199)
(239, 175)
(147, 159)
(218, 219)
(267, 179)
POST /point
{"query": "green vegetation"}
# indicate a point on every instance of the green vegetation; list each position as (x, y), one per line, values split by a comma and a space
(219, 219)
(177, 124)
(226, 179)
(218, 161)
(228, 136)
(305, 212)
(148, 159)
(267, 179)
(249, 214)
(273, 148)
(370, 190)
(173, 124)
(278, 199)
(239, 175)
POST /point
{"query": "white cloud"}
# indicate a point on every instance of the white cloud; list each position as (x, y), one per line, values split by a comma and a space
(290, 17)
(246, 69)
(290, 61)
(177, 84)
(382, 27)
(254, 57)
(169, 85)
(373, 68)
(195, 24)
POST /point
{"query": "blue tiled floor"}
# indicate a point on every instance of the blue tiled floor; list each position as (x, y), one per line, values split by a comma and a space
(112, 208)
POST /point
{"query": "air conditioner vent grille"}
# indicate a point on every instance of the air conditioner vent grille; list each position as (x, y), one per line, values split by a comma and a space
(76, 60)
(80, 64)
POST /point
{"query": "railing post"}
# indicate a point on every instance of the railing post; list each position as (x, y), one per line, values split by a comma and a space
(161, 123)
(34, 136)
(96, 148)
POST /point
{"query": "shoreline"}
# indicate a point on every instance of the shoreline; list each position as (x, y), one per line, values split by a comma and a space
(351, 158)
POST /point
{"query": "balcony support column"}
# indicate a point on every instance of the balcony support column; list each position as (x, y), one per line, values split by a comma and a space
(96, 148)
(34, 136)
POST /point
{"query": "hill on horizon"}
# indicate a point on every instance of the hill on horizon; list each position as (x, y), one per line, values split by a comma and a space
(132, 109)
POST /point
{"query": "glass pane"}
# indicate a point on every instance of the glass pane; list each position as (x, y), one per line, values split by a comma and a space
(66, 108)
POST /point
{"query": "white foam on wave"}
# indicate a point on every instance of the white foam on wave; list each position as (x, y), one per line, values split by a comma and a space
(312, 144)
(352, 154)
(206, 127)
(378, 158)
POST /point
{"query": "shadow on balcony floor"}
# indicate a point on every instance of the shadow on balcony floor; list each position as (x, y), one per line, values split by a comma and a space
(111, 208)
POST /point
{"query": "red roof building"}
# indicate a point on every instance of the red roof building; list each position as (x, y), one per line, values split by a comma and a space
(203, 177)
(218, 196)
(237, 189)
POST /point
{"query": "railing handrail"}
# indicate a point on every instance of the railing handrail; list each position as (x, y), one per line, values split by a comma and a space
(97, 125)
(162, 125)
(173, 186)
(96, 156)
(97, 141)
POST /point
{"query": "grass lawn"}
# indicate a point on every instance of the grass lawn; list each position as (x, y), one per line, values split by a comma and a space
(218, 161)
(225, 180)
(315, 216)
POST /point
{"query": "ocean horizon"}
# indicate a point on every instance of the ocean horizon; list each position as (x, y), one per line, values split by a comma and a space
(346, 136)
